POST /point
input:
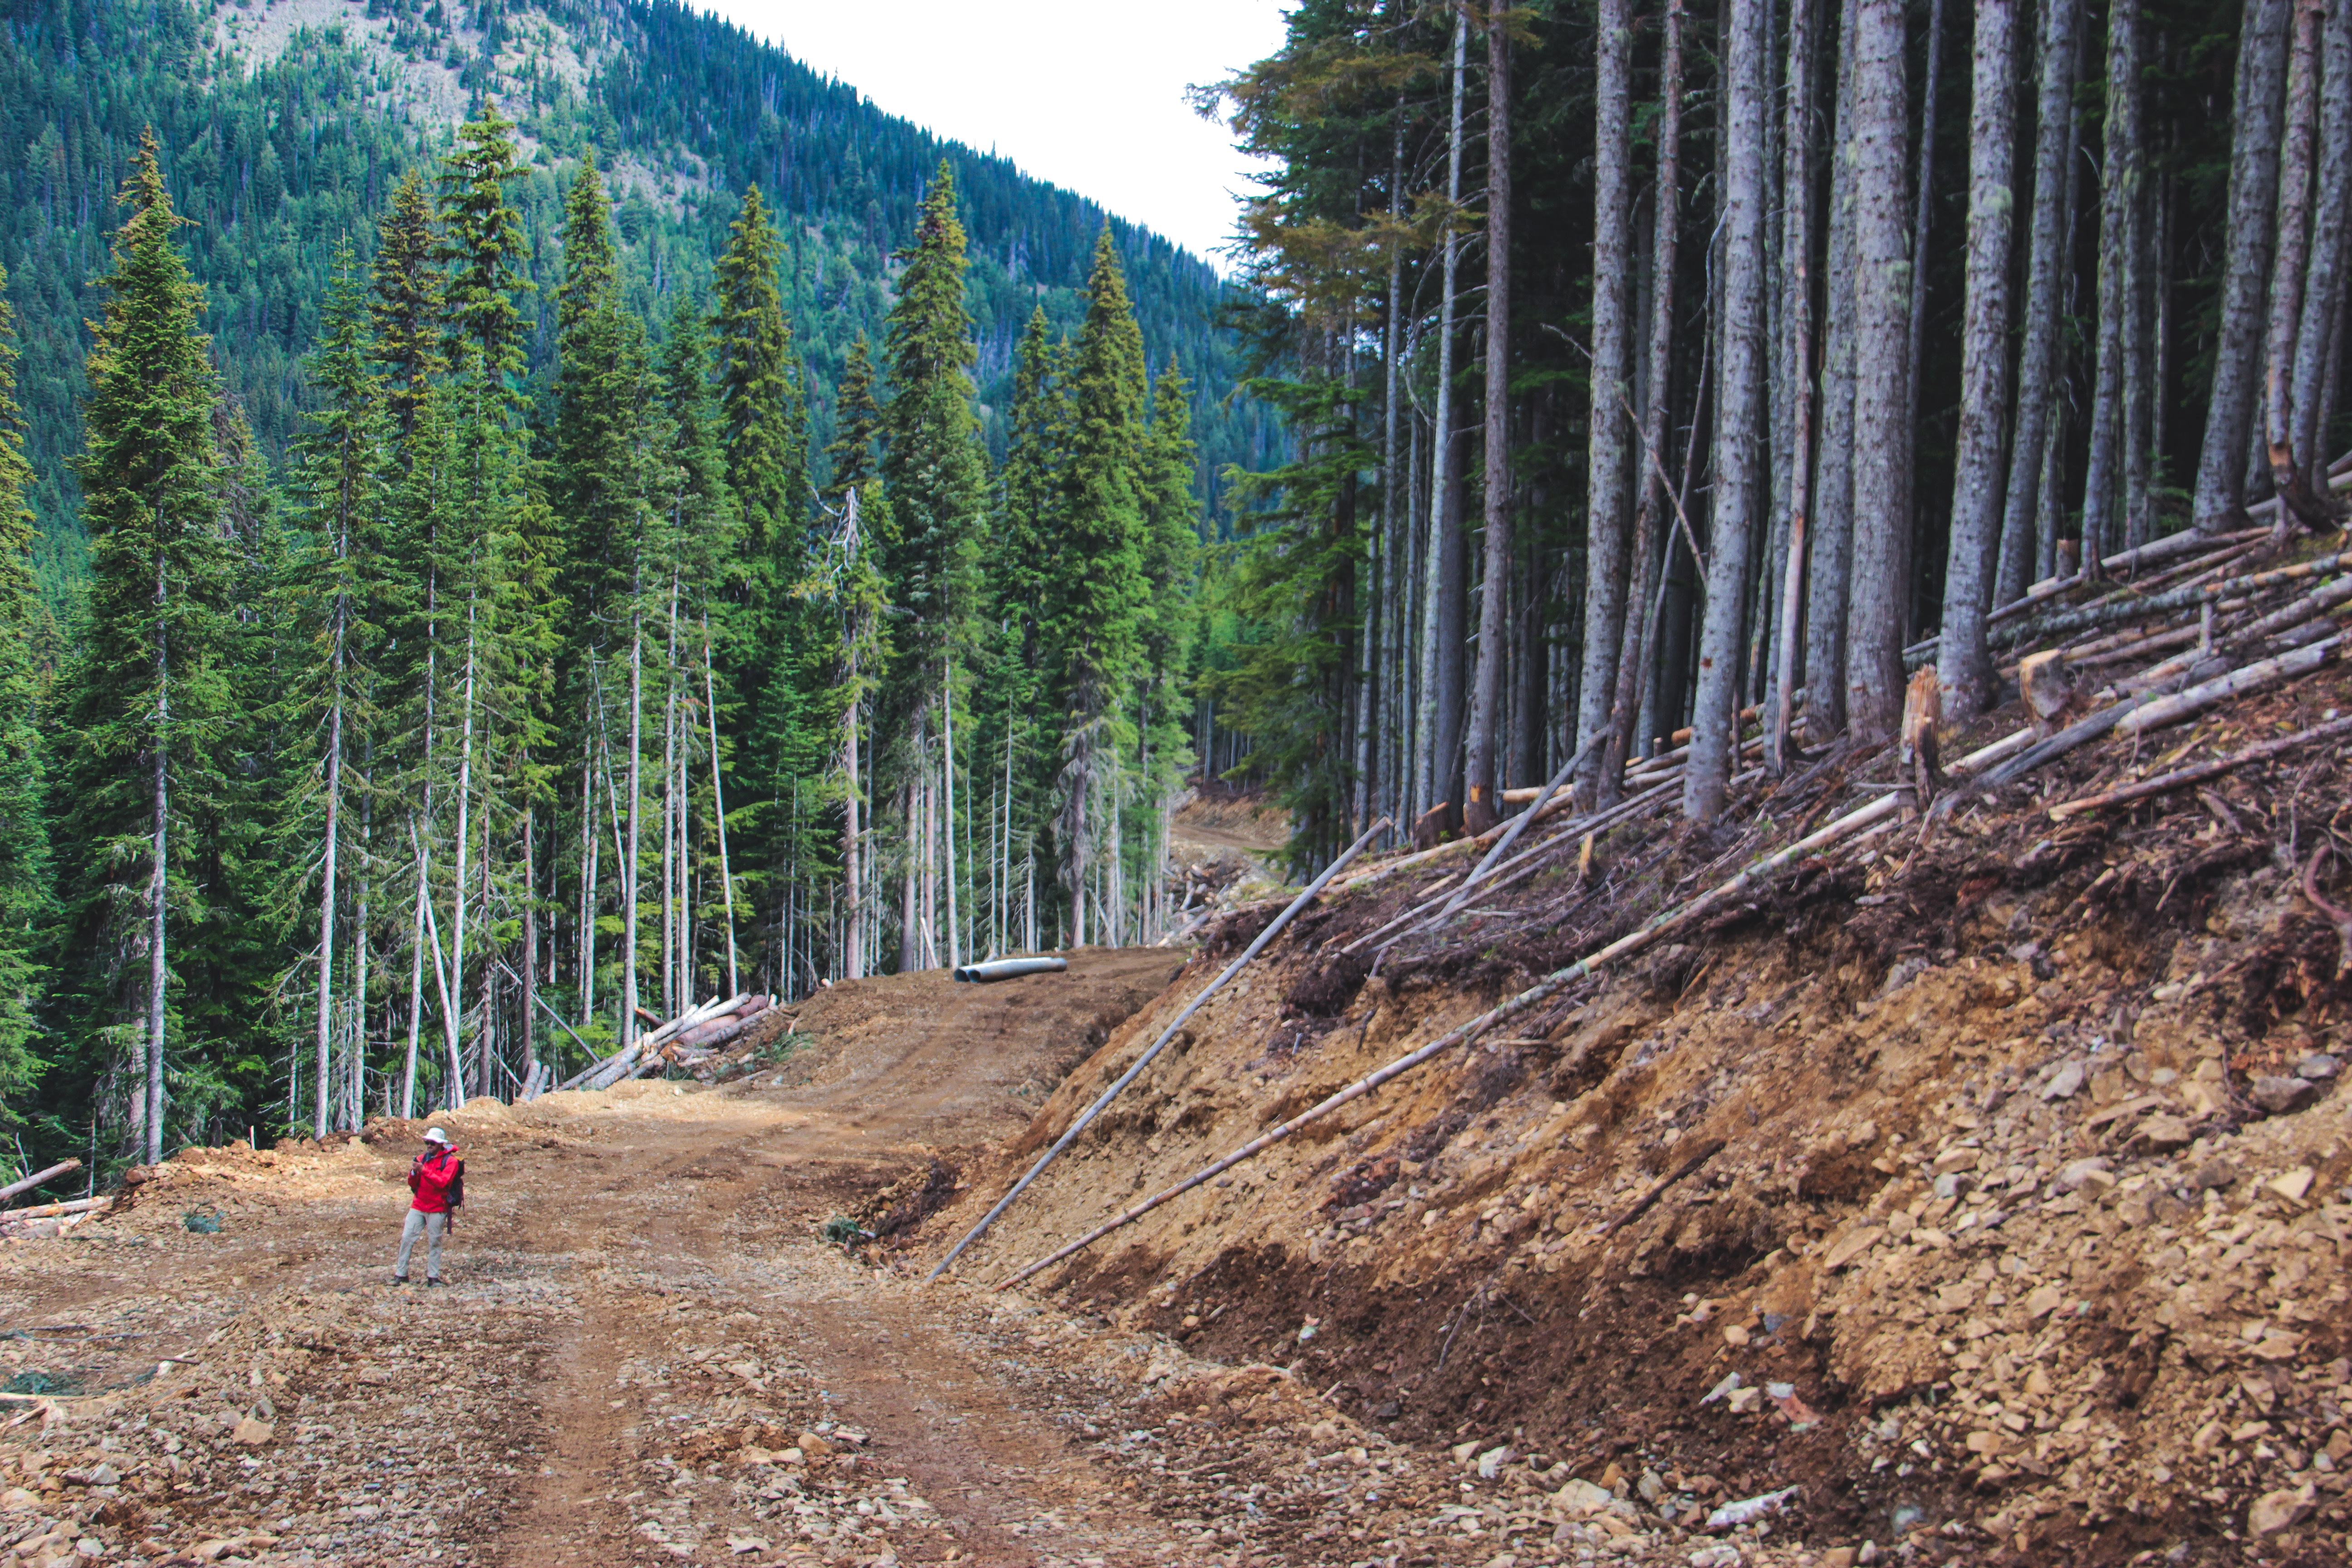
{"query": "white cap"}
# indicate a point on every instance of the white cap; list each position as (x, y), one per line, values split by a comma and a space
(435, 1135)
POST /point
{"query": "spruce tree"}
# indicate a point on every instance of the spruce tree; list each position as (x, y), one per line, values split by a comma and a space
(1099, 583)
(25, 888)
(406, 305)
(937, 478)
(857, 419)
(761, 408)
(337, 587)
(149, 700)
(482, 238)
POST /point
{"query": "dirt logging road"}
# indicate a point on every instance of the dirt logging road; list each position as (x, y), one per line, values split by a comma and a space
(650, 1353)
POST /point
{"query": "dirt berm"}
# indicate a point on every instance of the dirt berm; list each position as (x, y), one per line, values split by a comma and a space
(2004, 1183)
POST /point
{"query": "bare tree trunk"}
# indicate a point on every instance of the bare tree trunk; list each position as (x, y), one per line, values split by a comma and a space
(1833, 551)
(628, 1007)
(2297, 502)
(456, 984)
(159, 875)
(718, 802)
(947, 807)
(2120, 184)
(1646, 562)
(1964, 667)
(1882, 436)
(1480, 807)
(327, 886)
(1739, 468)
(2221, 500)
(1923, 191)
(1429, 775)
(1792, 456)
(1605, 475)
(2331, 231)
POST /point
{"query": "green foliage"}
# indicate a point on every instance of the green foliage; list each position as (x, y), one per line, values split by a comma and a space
(26, 639)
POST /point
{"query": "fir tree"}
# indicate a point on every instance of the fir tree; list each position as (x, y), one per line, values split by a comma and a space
(407, 305)
(25, 888)
(1099, 584)
(761, 409)
(482, 238)
(857, 418)
(149, 700)
(937, 478)
(338, 591)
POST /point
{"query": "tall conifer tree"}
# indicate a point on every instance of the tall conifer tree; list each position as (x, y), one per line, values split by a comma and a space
(25, 894)
(149, 698)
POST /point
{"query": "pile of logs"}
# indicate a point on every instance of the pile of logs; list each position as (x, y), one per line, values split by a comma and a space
(688, 1040)
(46, 1219)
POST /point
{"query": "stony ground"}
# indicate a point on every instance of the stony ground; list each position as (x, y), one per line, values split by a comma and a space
(648, 1353)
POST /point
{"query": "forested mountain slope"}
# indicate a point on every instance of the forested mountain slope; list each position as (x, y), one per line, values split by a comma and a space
(285, 126)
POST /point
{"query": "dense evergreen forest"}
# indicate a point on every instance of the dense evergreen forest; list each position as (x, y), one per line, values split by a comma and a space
(1693, 370)
(473, 585)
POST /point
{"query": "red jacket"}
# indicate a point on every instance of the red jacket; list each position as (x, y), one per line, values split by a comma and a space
(438, 1180)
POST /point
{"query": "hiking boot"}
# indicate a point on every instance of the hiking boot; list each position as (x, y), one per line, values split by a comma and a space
(397, 1279)
(436, 1284)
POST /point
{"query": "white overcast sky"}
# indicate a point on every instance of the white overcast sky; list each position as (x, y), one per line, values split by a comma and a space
(1088, 96)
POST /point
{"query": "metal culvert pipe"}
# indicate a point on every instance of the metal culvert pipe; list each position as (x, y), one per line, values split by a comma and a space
(1007, 968)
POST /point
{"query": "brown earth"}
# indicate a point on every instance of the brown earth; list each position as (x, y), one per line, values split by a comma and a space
(2003, 1164)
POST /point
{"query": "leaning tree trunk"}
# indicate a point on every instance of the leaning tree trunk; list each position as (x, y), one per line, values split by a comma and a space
(2296, 501)
(2118, 260)
(2331, 233)
(1833, 549)
(1480, 785)
(1963, 665)
(2220, 496)
(1611, 407)
(1881, 443)
(1739, 470)
(1429, 773)
(1645, 563)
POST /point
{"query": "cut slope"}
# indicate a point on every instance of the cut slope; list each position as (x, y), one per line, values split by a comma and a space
(2001, 1164)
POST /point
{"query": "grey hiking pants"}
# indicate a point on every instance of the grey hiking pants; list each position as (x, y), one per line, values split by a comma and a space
(430, 1226)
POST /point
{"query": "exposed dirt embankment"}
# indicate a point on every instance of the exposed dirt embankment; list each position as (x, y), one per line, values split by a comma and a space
(1989, 1185)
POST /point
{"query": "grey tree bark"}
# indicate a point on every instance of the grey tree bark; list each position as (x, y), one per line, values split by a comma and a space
(1923, 192)
(2119, 180)
(1481, 810)
(2331, 229)
(2290, 265)
(1430, 770)
(1963, 665)
(1793, 454)
(1881, 435)
(1833, 549)
(1739, 467)
(2221, 494)
(1605, 471)
(1646, 563)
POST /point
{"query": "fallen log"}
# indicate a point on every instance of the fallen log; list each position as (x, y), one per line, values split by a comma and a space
(2238, 682)
(50, 1211)
(1519, 823)
(1273, 928)
(2181, 778)
(1865, 820)
(27, 1184)
(2108, 612)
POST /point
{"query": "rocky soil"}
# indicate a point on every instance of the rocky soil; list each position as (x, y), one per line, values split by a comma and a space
(1988, 1187)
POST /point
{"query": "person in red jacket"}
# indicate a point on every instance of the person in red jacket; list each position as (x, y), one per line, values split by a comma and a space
(438, 1179)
